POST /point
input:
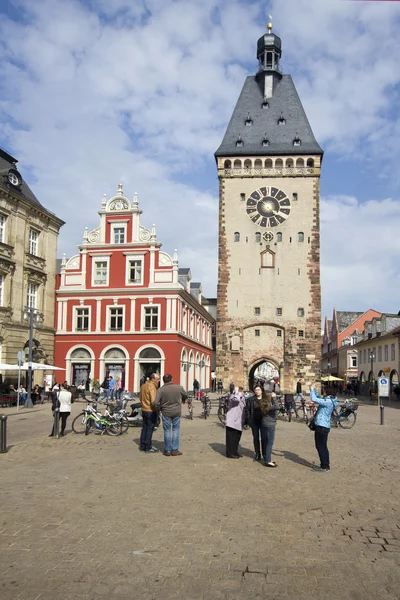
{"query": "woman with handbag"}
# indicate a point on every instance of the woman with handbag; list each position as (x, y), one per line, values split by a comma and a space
(269, 405)
(63, 401)
(234, 422)
(253, 418)
(322, 426)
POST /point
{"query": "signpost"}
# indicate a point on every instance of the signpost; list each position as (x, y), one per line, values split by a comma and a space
(383, 392)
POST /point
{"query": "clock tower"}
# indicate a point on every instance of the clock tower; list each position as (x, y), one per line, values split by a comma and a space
(269, 297)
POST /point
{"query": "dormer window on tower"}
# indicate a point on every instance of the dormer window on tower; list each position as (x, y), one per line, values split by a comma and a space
(265, 103)
(249, 121)
(265, 141)
(297, 140)
(281, 120)
(239, 142)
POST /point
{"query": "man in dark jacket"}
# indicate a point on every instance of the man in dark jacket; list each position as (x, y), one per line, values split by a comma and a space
(169, 402)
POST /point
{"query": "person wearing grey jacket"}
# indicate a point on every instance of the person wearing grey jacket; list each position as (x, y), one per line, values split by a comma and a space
(169, 403)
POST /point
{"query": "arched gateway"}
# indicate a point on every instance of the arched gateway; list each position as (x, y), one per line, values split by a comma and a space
(262, 370)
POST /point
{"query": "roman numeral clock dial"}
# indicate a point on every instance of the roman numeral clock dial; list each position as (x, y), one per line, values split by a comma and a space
(268, 207)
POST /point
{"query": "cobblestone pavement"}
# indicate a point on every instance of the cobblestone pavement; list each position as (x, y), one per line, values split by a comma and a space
(92, 517)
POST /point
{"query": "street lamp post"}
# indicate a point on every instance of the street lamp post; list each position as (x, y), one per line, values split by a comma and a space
(30, 314)
(372, 358)
(201, 365)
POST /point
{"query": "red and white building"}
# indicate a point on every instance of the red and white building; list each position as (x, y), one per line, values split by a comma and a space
(124, 308)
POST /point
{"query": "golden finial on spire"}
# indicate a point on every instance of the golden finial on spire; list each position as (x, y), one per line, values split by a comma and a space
(269, 26)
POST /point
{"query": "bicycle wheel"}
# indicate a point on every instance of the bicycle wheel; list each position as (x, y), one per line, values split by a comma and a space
(348, 420)
(221, 415)
(88, 426)
(113, 428)
(79, 423)
(124, 424)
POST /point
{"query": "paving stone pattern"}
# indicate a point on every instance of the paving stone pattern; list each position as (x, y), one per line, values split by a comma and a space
(92, 517)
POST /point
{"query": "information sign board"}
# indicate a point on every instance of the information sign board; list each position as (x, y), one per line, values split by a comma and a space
(383, 386)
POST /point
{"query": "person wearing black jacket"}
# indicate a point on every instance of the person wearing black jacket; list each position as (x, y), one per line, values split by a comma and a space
(253, 418)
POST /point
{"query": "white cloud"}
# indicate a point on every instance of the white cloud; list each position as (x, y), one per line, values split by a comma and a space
(103, 91)
(360, 251)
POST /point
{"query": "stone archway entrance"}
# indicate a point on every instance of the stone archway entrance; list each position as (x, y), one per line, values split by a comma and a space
(262, 370)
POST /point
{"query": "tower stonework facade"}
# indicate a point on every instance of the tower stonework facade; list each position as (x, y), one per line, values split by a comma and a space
(269, 297)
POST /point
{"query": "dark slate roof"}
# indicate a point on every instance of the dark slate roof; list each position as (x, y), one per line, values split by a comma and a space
(329, 327)
(183, 271)
(345, 319)
(195, 284)
(7, 161)
(285, 100)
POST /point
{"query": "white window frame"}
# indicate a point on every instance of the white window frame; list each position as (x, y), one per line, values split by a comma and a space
(32, 294)
(96, 259)
(121, 308)
(3, 220)
(34, 242)
(118, 225)
(130, 258)
(76, 309)
(353, 362)
(2, 284)
(158, 307)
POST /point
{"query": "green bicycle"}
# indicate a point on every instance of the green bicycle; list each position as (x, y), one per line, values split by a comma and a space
(90, 419)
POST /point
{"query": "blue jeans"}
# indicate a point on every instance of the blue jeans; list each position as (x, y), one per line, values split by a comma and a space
(107, 394)
(257, 433)
(268, 434)
(175, 423)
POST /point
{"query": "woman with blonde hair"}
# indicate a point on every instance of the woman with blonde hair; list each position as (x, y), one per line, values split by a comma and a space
(269, 405)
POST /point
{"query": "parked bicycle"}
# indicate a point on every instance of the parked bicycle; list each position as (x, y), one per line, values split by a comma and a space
(205, 400)
(223, 409)
(90, 419)
(189, 402)
(301, 410)
(347, 415)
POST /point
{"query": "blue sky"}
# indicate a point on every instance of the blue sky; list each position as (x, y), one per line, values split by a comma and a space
(97, 92)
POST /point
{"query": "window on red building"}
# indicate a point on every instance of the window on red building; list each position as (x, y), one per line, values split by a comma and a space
(82, 319)
(119, 235)
(151, 318)
(116, 318)
(135, 271)
(100, 272)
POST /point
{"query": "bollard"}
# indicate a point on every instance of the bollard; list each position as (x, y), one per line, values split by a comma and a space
(382, 409)
(56, 425)
(3, 433)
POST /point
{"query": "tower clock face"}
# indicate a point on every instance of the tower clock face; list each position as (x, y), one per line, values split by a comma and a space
(268, 207)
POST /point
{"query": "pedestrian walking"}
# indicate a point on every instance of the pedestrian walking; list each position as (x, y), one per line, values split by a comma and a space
(299, 389)
(148, 393)
(117, 388)
(254, 418)
(322, 421)
(169, 402)
(62, 400)
(269, 405)
(220, 386)
(213, 381)
(231, 388)
(196, 388)
(234, 422)
(107, 389)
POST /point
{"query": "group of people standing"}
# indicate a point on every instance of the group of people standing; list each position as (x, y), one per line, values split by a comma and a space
(166, 400)
(259, 411)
